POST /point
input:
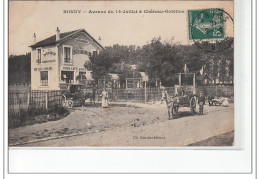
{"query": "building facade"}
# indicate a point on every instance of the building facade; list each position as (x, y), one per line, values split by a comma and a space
(60, 59)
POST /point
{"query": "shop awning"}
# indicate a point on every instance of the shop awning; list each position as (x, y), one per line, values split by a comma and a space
(113, 76)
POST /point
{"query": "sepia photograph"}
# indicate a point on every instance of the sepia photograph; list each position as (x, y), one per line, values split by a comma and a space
(121, 74)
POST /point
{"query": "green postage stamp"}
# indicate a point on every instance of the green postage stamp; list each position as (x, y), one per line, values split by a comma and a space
(206, 24)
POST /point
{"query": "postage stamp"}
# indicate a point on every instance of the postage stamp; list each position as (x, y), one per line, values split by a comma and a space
(206, 24)
(208, 29)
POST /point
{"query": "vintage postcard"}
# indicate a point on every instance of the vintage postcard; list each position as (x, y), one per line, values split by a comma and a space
(121, 74)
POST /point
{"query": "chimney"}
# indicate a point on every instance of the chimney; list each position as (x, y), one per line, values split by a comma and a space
(34, 38)
(57, 34)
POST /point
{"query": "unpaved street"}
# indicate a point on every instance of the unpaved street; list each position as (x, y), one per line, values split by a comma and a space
(128, 124)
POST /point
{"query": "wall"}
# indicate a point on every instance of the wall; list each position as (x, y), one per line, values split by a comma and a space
(80, 51)
(53, 61)
(49, 62)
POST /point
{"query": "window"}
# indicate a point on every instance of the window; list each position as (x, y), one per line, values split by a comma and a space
(67, 55)
(81, 74)
(67, 76)
(95, 53)
(39, 56)
(44, 78)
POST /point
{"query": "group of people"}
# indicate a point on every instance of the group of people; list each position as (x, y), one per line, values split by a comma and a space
(201, 99)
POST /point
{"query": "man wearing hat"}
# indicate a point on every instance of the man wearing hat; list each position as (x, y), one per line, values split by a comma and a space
(201, 102)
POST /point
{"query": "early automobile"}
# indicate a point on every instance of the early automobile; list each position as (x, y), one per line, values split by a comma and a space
(75, 95)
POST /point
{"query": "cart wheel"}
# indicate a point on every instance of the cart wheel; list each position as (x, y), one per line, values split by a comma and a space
(70, 104)
(193, 104)
(64, 103)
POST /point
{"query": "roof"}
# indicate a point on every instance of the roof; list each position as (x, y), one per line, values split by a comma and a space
(63, 36)
(113, 76)
(144, 76)
(204, 76)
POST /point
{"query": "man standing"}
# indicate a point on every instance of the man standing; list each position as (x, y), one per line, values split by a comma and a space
(164, 95)
(201, 102)
(210, 98)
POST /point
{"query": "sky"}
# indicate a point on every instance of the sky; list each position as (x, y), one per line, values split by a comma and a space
(43, 17)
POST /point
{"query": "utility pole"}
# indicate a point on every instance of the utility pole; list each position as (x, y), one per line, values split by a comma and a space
(145, 91)
(104, 81)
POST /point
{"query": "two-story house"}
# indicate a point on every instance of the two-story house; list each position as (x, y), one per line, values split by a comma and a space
(59, 60)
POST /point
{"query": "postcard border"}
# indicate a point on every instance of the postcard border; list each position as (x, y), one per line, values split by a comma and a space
(252, 94)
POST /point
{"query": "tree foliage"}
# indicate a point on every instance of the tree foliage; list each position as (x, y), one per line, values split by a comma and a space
(19, 69)
(162, 60)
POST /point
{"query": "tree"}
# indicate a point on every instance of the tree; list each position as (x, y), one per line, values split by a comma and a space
(19, 69)
(162, 60)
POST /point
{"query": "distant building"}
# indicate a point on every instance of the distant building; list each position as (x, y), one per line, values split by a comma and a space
(58, 61)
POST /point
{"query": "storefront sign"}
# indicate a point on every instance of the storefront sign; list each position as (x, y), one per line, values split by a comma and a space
(82, 69)
(81, 41)
(48, 61)
(80, 52)
(70, 68)
(49, 53)
(43, 69)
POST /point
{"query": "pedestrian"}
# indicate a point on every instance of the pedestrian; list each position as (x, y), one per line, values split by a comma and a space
(164, 95)
(201, 102)
(104, 95)
(210, 98)
(225, 102)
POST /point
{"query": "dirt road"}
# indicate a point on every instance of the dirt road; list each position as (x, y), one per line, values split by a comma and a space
(126, 125)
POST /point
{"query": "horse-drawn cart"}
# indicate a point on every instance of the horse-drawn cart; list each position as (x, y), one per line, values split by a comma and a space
(183, 101)
(185, 96)
(176, 101)
(76, 94)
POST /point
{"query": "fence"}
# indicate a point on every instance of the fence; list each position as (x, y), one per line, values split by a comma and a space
(226, 91)
(19, 87)
(155, 94)
(27, 103)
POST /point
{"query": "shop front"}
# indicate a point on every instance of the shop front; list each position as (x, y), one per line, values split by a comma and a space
(62, 60)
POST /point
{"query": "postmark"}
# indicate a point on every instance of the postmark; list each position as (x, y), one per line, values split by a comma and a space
(207, 29)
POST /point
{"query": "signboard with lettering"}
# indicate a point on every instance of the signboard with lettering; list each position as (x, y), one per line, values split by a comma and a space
(43, 69)
(48, 61)
(84, 52)
(70, 68)
(81, 41)
(74, 69)
(82, 69)
(49, 55)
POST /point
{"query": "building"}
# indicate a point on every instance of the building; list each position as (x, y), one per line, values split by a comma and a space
(59, 60)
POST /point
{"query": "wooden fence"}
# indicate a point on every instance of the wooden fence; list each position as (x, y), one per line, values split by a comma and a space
(27, 103)
(155, 94)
